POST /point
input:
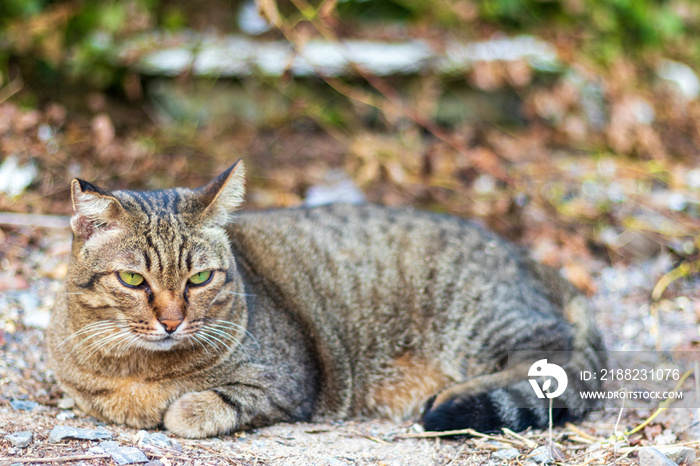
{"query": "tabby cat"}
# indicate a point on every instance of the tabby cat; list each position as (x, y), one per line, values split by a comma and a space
(178, 313)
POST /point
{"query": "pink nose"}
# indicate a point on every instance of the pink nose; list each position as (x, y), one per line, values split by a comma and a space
(170, 325)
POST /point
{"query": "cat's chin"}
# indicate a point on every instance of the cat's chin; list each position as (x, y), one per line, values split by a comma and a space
(165, 344)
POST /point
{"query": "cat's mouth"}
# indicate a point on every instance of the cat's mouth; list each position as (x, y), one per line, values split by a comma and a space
(163, 343)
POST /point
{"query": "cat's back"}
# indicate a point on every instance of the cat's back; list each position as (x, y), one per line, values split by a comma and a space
(363, 227)
(367, 256)
(359, 236)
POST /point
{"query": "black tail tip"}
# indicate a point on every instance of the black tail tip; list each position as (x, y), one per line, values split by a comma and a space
(481, 413)
(476, 412)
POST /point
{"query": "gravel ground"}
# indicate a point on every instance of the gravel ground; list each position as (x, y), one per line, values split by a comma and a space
(625, 312)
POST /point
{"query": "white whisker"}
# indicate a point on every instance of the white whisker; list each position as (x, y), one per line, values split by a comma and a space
(227, 336)
(239, 294)
(235, 340)
(132, 339)
(212, 336)
(120, 341)
(79, 345)
(196, 338)
(104, 342)
(206, 339)
(219, 323)
(87, 328)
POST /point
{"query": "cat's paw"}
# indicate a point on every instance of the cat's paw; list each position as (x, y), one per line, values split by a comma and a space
(199, 415)
(461, 412)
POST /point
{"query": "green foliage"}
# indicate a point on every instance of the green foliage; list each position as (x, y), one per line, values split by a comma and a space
(379, 10)
(174, 19)
(79, 38)
(12, 9)
(71, 38)
(611, 27)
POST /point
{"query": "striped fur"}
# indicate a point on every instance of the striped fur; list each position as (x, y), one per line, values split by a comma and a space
(310, 314)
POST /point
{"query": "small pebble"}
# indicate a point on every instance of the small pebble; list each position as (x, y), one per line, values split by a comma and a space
(650, 456)
(665, 438)
(541, 455)
(63, 415)
(38, 318)
(417, 428)
(60, 433)
(23, 405)
(66, 403)
(156, 439)
(123, 455)
(506, 454)
(679, 454)
(20, 439)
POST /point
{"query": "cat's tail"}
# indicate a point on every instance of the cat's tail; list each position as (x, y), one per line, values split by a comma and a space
(520, 396)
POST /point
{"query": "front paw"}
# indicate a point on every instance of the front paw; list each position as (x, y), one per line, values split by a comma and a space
(199, 415)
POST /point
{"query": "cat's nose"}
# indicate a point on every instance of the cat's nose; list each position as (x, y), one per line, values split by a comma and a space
(170, 325)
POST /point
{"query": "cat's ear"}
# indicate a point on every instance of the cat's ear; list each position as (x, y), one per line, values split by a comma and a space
(94, 209)
(223, 195)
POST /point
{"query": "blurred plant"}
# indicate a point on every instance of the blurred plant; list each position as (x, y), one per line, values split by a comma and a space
(78, 38)
(69, 38)
(606, 29)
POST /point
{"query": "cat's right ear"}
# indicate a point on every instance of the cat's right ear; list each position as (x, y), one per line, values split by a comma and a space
(94, 209)
(224, 195)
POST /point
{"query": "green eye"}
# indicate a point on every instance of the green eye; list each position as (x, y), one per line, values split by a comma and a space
(130, 278)
(200, 278)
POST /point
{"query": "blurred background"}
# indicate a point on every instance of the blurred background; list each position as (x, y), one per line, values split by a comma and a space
(569, 126)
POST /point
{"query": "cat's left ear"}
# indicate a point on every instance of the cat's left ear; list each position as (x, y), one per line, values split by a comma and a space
(224, 195)
(94, 209)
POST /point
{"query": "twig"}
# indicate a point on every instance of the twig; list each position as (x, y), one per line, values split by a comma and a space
(626, 454)
(681, 444)
(681, 271)
(12, 88)
(525, 441)
(459, 453)
(581, 432)
(446, 433)
(369, 437)
(34, 220)
(576, 438)
(616, 435)
(662, 406)
(55, 459)
(551, 425)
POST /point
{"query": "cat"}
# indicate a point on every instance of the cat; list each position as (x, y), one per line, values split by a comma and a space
(180, 311)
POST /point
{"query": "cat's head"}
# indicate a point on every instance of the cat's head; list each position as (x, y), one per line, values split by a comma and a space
(153, 269)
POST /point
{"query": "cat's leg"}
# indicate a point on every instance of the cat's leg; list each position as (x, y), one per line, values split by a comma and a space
(489, 402)
(507, 399)
(230, 408)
